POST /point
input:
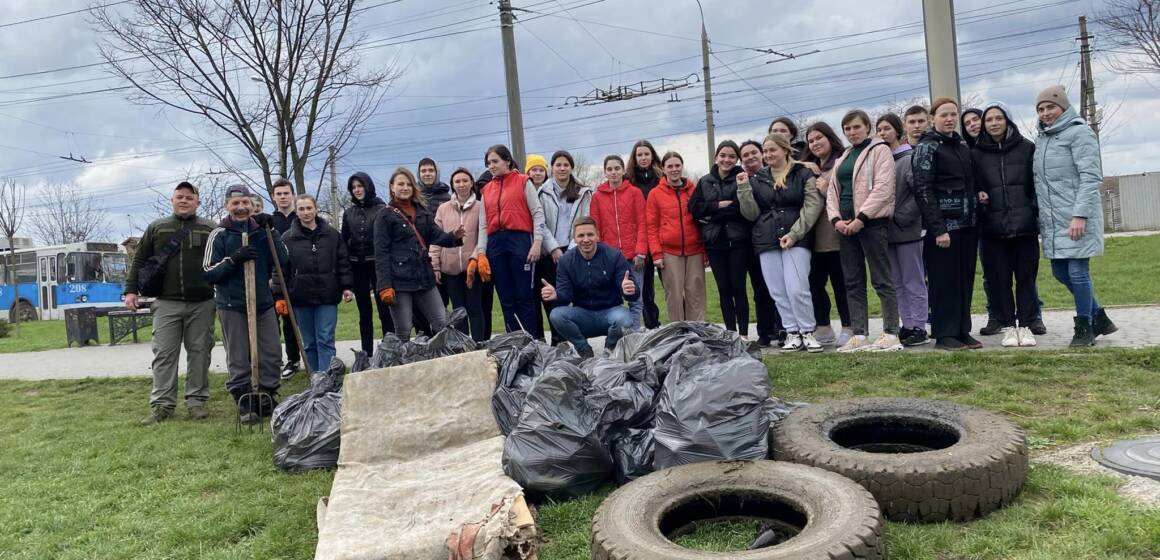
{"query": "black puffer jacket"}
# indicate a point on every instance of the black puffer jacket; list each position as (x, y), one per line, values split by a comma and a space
(1004, 171)
(401, 259)
(780, 208)
(944, 183)
(319, 268)
(906, 224)
(645, 180)
(358, 221)
(721, 228)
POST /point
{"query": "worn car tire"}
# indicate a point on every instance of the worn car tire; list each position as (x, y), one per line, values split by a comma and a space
(923, 460)
(834, 518)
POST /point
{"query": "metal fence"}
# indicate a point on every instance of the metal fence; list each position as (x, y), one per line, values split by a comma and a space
(1132, 202)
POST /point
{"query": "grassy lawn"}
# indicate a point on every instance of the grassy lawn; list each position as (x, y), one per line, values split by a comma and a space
(1121, 278)
(87, 482)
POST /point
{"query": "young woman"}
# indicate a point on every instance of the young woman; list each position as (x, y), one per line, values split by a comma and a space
(675, 242)
(618, 208)
(403, 235)
(319, 277)
(944, 185)
(860, 204)
(644, 172)
(971, 123)
(511, 229)
(905, 238)
(537, 169)
(786, 127)
(769, 327)
(450, 263)
(564, 201)
(784, 203)
(726, 233)
(1008, 223)
(1071, 216)
(823, 149)
(358, 223)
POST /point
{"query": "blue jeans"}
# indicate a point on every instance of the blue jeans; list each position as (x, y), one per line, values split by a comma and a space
(636, 306)
(1075, 276)
(317, 323)
(577, 324)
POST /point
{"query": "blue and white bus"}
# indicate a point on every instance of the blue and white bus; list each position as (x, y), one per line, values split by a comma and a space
(48, 280)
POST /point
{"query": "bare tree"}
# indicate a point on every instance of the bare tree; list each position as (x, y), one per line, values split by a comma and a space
(65, 214)
(211, 187)
(899, 106)
(283, 78)
(588, 174)
(1132, 31)
(12, 198)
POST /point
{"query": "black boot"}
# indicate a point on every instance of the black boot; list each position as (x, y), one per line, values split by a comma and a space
(993, 327)
(1083, 333)
(1102, 325)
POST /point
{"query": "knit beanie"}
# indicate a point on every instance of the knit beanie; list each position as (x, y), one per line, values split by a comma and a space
(1053, 94)
(535, 160)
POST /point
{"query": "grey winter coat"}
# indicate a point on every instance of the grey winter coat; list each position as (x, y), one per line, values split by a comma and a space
(906, 224)
(1068, 176)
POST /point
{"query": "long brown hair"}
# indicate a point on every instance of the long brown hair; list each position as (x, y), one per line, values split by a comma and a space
(630, 169)
(417, 196)
(572, 189)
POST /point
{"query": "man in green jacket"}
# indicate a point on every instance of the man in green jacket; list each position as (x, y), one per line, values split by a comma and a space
(183, 312)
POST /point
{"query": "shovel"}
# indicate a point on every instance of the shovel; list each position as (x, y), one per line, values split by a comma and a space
(255, 401)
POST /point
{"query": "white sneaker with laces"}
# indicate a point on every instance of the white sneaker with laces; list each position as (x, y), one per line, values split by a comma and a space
(857, 343)
(1026, 338)
(810, 343)
(1011, 337)
(887, 343)
(793, 343)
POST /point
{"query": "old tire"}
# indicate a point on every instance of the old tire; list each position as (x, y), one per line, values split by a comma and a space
(923, 460)
(835, 518)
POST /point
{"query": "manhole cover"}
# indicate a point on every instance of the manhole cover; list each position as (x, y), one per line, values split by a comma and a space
(1140, 457)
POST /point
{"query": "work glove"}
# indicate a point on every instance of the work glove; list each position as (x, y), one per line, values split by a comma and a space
(265, 221)
(387, 296)
(281, 308)
(484, 268)
(243, 254)
(472, 268)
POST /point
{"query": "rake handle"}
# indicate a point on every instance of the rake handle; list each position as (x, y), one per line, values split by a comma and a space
(289, 306)
(251, 314)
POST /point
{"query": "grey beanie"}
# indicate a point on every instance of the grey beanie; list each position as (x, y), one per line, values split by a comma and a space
(1053, 94)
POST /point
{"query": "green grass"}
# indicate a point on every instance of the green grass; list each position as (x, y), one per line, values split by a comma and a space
(1125, 276)
(83, 480)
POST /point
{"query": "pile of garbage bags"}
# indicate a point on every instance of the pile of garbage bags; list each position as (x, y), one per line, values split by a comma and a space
(680, 394)
(306, 426)
(393, 351)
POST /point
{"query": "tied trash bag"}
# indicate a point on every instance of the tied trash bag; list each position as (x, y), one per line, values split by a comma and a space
(362, 362)
(662, 344)
(711, 409)
(306, 426)
(632, 454)
(626, 394)
(556, 449)
(521, 359)
(393, 351)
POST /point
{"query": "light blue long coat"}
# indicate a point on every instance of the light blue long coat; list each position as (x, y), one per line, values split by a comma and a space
(1068, 176)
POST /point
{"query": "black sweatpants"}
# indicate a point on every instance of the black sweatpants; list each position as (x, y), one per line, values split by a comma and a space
(470, 299)
(293, 355)
(768, 319)
(950, 275)
(1004, 259)
(828, 267)
(365, 281)
(545, 270)
(651, 314)
(730, 267)
(487, 302)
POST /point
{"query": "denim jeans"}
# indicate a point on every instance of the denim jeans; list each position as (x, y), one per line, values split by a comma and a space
(577, 325)
(317, 323)
(1075, 276)
(636, 306)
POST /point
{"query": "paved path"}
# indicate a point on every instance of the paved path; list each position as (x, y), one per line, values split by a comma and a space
(1139, 327)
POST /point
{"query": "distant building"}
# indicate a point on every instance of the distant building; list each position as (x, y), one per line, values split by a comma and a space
(1132, 202)
(130, 246)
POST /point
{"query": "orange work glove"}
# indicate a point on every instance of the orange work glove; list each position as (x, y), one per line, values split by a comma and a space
(387, 296)
(472, 268)
(281, 308)
(484, 268)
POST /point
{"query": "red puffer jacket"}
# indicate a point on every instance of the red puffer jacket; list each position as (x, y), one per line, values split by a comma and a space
(671, 227)
(619, 215)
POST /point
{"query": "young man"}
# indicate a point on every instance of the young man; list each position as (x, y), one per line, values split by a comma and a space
(183, 310)
(284, 216)
(224, 269)
(436, 192)
(592, 283)
(916, 120)
(769, 327)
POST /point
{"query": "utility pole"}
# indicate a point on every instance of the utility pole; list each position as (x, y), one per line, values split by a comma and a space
(942, 55)
(334, 209)
(1087, 92)
(710, 134)
(515, 111)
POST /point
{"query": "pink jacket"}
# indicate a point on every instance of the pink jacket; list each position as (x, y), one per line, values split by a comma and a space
(873, 183)
(453, 260)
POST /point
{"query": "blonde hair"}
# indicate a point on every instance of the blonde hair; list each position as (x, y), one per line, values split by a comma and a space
(417, 195)
(779, 176)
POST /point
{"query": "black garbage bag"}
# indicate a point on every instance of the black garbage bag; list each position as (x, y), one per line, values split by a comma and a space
(521, 360)
(632, 454)
(660, 345)
(625, 393)
(305, 426)
(711, 409)
(393, 351)
(556, 449)
(450, 340)
(389, 352)
(362, 362)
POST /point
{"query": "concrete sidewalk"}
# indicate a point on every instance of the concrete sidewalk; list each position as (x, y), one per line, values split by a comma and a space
(1137, 330)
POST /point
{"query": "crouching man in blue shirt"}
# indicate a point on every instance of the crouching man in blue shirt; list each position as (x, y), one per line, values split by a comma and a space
(592, 283)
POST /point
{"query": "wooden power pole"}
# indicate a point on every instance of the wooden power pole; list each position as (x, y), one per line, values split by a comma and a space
(515, 110)
(1087, 92)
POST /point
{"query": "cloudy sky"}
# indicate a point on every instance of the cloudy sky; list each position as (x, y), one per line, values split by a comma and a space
(448, 102)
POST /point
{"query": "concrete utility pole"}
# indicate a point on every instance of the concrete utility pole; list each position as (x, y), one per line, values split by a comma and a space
(515, 111)
(334, 207)
(710, 133)
(1087, 92)
(942, 54)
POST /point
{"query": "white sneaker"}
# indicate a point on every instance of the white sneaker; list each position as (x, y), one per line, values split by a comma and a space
(887, 343)
(857, 343)
(825, 335)
(1011, 337)
(811, 344)
(1026, 339)
(845, 335)
(793, 343)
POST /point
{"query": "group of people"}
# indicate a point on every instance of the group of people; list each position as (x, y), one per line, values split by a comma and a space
(910, 202)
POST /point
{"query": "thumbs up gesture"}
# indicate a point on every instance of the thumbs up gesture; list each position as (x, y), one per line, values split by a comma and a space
(627, 286)
(547, 293)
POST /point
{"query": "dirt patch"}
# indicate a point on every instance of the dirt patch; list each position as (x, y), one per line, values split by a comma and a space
(1077, 458)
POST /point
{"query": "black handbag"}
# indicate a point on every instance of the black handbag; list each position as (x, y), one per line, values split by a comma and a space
(151, 276)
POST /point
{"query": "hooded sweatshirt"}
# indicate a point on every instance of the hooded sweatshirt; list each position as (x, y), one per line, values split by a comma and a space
(1003, 169)
(963, 126)
(436, 193)
(358, 221)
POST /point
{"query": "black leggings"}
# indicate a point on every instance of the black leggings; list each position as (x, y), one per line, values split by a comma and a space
(823, 267)
(730, 268)
(364, 286)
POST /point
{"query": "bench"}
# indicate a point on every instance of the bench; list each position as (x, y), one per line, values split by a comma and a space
(123, 322)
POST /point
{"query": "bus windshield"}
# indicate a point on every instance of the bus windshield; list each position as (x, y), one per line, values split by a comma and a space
(95, 267)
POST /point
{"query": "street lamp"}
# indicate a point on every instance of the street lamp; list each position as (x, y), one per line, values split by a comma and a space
(709, 133)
